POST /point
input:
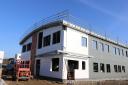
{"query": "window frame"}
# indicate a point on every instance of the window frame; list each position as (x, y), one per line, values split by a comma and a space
(46, 41)
(55, 38)
(84, 41)
(95, 67)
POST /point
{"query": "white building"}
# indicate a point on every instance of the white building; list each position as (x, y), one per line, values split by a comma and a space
(63, 50)
(18, 56)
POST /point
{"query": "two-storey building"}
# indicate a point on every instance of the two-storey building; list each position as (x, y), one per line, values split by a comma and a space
(62, 50)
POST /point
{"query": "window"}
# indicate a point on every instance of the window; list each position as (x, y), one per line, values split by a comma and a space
(55, 64)
(95, 67)
(114, 50)
(118, 51)
(101, 46)
(123, 68)
(122, 52)
(106, 48)
(108, 68)
(94, 44)
(126, 53)
(84, 41)
(24, 48)
(56, 37)
(115, 68)
(29, 46)
(40, 36)
(119, 68)
(83, 65)
(46, 40)
(102, 67)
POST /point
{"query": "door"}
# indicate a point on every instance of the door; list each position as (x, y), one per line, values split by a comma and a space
(72, 65)
(38, 67)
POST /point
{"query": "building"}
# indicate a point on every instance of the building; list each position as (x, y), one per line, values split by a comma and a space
(18, 56)
(62, 50)
(1, 61)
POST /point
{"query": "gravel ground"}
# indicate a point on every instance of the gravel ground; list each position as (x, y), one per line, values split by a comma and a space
(33, 82)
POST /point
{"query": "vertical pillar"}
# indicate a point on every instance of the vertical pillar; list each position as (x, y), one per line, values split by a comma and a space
(33, 51)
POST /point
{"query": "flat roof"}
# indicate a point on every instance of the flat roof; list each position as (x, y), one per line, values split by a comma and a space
(73, 26)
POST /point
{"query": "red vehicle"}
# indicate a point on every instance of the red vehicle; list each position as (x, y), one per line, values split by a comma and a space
(22, 69)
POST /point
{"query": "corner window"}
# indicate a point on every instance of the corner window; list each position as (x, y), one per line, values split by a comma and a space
(24, 48)
(29, 46)
(40, 36)
(84, 41)
(95, 67)
(102, 67)
(94, 44)
(115, 68)
(56, 37)
(83, 65)
(46, 40)
(108, 68)
(55, 64)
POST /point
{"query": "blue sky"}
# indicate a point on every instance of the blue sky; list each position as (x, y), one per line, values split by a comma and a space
(103, 16)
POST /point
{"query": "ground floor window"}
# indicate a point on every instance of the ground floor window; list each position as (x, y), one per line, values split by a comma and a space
(102, 67)
(115, 68)
(108, 68)
(95, 67)
(83, 65)
(55, 64)
(119, 68)
(123, 68)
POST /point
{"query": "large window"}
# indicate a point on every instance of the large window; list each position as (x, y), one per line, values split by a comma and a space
(55, 64)
(46, 40)
(56, 37)
(102, 69)
(115, 68)
(94, 44)
(83, 65)
(108, 68)
(84, 41)
(95, 67)
(24, 48)
(29, 46)
(40, 37)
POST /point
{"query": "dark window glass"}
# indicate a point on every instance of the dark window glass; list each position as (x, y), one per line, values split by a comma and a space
(126, 53)
(102, 69)
(40, 36)
(29, 46)
(46, 40)
(108, 68)
(56, 37)
(83, 65)
(55, 64)
(24, 48)
(115, 68)
(123, 68)
(119, 68)
(95, 67)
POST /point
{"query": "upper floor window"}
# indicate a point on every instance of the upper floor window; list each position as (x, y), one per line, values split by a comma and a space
(114, 50)
(84, 41)
(106, 48)
(29, 46)
(46, 40)
(83, 65)
(95, 67)
(118, 51)
(101, 46)
(122, 52)
(94, 44)
(119, 68)
(115, 68)
(123, 68)
(56, 37)
(40, 37)
(24, 48)
(126, 53)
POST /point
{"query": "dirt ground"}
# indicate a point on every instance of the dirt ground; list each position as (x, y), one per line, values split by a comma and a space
(33, 82)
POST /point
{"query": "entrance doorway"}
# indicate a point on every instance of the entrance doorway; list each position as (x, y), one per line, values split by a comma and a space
(72, 65)
(38, 67)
